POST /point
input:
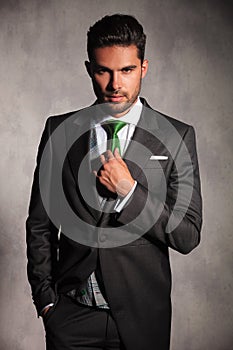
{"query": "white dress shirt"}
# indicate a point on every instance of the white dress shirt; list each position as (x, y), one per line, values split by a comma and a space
(99, 142)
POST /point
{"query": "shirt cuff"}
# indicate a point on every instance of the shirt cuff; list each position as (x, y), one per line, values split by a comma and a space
(121, 202)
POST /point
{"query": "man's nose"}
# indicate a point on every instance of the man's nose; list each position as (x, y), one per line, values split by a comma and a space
(115, 81)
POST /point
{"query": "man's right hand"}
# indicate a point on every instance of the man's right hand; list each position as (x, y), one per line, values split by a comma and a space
(46, 310)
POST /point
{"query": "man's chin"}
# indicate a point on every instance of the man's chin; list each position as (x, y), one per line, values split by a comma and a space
(114, 108)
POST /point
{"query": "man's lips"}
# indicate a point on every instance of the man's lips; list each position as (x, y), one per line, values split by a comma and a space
(116, 98)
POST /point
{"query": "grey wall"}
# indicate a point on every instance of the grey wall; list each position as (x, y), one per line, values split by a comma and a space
(42, 46)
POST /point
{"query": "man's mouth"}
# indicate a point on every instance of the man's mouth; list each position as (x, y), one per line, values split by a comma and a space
(115, 98)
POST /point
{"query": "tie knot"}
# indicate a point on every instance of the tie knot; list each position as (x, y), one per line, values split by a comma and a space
(112, 127)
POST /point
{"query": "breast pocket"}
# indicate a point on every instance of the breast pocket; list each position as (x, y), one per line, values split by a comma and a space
(156, 164)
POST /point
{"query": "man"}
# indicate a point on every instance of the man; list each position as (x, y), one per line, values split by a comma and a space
(115, 186)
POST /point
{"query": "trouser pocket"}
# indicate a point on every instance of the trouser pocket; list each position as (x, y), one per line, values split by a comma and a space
(51, 311)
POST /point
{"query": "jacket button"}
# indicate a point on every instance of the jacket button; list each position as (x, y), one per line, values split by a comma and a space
(102, 238)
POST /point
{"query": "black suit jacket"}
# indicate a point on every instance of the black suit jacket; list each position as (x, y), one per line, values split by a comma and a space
(136, 275)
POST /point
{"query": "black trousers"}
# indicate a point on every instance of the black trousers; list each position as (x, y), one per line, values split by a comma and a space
(73, 326)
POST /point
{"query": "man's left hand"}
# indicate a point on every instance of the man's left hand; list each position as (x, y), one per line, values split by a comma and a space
(115, 175)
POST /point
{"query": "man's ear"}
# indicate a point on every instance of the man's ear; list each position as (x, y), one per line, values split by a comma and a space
(88, 68)
(144, 68)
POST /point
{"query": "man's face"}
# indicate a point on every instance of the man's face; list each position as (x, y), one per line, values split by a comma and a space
(116, 73)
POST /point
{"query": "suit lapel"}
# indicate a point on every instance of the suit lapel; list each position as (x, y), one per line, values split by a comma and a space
(144, 141)
(78, 142)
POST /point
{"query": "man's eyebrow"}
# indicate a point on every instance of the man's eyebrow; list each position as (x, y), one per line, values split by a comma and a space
(133, 66)
(98, 66)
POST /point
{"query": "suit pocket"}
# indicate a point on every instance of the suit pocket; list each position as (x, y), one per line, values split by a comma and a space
(153, 164)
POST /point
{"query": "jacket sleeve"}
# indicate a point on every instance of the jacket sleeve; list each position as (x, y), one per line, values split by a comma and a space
(41, 239)
(179, 223)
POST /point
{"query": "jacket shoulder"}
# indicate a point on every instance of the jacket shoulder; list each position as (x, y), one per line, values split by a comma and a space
(54, 121)
(164, 119)
(178, 124)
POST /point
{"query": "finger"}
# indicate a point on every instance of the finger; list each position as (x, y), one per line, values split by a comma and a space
(110, 155)
(101, 178)
(118, 157)
(95, 173)
(102, 159)
(105, 182)
(117, 153)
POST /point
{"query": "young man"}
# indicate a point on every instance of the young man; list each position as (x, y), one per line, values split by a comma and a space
(115, 186)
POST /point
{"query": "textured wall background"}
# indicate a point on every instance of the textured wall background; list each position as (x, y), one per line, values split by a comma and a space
(42, 45)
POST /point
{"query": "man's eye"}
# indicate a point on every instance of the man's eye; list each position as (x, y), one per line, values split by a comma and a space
(101, 71)
(127, 70)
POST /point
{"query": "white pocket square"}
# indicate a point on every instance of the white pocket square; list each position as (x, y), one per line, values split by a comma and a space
(158, 158)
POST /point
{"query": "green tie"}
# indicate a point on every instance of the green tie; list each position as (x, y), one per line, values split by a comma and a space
(112, 127)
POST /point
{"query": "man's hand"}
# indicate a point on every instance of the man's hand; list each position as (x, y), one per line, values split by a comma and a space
(46, 310)
(115, 175)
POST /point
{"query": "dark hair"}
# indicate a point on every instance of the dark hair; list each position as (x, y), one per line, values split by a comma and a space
(118, 29)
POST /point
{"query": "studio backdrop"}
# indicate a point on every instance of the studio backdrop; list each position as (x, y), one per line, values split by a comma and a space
(42, 73)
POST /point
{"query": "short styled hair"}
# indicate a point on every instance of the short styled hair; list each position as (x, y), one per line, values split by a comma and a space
(116, 30)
